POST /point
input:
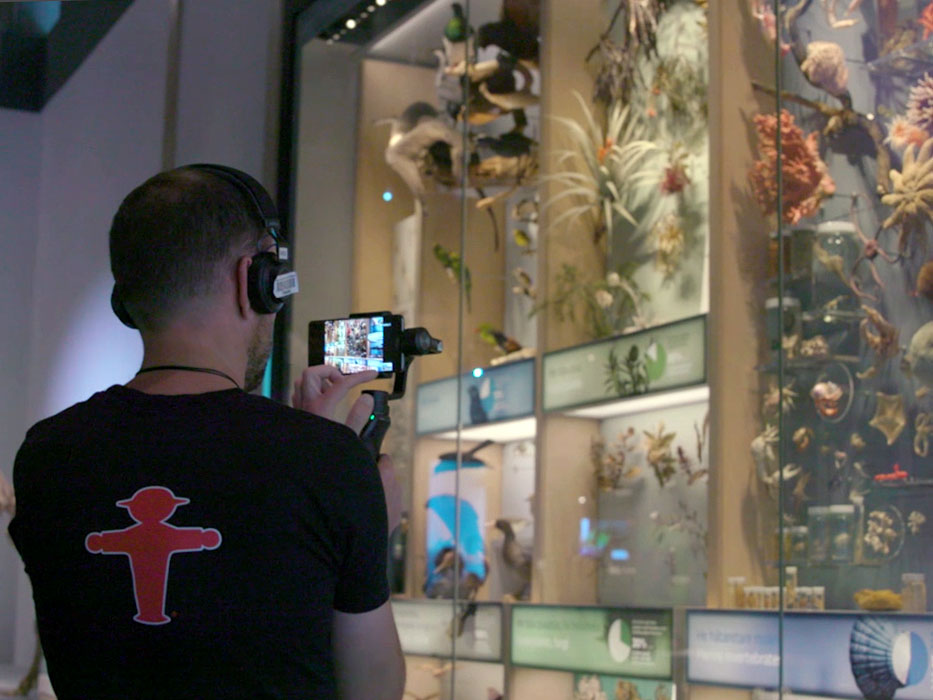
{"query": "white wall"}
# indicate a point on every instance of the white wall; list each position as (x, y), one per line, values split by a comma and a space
(100, 136)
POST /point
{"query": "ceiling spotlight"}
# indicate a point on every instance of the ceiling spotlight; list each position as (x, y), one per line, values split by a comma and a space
(351, 24)
(371, 8)
(380, 2)
(364, 14)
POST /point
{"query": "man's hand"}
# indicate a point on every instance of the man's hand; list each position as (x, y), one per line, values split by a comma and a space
(321, 388)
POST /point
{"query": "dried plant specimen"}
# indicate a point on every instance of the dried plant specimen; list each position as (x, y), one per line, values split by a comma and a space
(806, 178)
(660, 455)
(610, 462)
(670, 238)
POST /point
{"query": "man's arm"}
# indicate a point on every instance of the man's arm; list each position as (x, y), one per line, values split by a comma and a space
(368, 658)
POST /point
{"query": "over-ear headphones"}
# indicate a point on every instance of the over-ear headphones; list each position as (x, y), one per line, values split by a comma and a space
(270, 281)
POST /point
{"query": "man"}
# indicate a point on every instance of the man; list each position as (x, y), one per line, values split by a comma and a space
(184, 538)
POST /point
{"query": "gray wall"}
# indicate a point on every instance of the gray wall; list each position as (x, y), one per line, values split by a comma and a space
(100, 136)
(20, 143)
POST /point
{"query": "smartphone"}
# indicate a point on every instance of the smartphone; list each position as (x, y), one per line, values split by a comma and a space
(356, 344)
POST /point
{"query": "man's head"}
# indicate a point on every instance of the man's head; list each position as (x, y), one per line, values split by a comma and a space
(173, 240)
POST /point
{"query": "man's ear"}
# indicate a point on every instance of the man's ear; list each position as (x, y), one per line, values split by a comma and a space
(242, 285)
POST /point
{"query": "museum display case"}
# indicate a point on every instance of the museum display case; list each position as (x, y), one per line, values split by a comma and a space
(678, 253)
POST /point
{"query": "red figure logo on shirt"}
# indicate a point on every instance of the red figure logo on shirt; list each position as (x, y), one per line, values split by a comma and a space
(150, 545)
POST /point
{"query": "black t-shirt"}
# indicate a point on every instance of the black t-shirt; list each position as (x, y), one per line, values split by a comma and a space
(196, 546)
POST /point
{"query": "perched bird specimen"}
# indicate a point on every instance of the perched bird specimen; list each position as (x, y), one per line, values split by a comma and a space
(451, 263)
(458, 40)
(524, 285)
(478, 413)
(498, 339)
(517, 30)
(516, 558)
(422, 142)
(522, 240)
(502, 89)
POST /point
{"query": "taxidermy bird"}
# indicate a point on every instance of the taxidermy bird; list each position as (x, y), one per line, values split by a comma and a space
(458, 40)
(524, 285)
(502, 90)
(522, 240)
(498, 339)
(509, 145)
(421, 140)
(477, 412)
(450, 261)
(516, 31)
(516, 557)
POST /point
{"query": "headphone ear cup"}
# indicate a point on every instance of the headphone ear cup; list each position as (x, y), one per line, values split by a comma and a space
(116, 303)
(261, 283)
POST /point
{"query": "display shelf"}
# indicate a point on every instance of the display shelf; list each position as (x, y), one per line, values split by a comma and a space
(640, 404)
(501, 431)
(426, 628)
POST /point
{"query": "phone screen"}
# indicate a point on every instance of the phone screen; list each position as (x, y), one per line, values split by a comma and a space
(357, 344)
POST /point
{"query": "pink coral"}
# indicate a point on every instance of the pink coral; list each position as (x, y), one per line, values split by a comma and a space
(806, 178)
(901, 134)
(920, 104)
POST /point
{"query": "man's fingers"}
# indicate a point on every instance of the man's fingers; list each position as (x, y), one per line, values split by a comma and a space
(348, 381)
(359, 413)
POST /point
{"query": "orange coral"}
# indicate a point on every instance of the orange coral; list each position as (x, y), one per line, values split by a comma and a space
(926, 21)
(806, 178)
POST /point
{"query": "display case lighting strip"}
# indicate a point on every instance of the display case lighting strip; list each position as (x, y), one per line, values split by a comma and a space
(505, 431)
(348, 24)
(641, 404)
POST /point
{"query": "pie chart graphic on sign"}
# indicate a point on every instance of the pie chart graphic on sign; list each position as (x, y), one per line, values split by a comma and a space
(620, 641)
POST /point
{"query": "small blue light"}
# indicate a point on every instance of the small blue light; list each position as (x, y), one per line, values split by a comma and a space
(478, 372)
(619, 555)
(387, 196)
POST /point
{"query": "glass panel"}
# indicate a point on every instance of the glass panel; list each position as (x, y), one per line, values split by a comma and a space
(857, 328)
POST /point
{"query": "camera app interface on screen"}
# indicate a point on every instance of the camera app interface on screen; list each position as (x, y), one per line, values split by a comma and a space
(356, 344)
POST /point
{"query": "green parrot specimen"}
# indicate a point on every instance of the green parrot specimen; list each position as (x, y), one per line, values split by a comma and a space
(456, 28)
(451, 264)
(498, 339)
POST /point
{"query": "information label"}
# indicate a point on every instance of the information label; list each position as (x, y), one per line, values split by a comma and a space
(658, 359)
(597, 686)
(425, 628)
(618, 642)
(487, 395)
(837, 654)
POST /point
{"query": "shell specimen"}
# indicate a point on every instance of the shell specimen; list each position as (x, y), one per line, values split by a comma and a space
(915, 522)
(806, 178)
(825, 67)
(920, 104)
(826, 397)
(911, 193)
(880, 534)
(885, 660)
(920, 355)
(889, 416)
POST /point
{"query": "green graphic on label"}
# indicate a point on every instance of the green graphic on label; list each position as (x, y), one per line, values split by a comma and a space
(635, 643)
(655, 361)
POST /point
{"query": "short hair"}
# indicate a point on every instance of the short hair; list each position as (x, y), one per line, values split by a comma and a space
(169, 238)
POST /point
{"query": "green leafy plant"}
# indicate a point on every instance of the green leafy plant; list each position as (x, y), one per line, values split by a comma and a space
(606, 306)
(627, 376)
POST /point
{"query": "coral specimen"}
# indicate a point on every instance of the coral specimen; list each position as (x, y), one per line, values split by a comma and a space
(764, 453)
(830, 7)
(919, 357)
(915, 522)
(601, 170)
(923, 425)
(886, 599)
(826, 398)
(925, 20)
(901, 134)
(670, 238)
(803, 437)
(924, 285)
(825, 67)
(911, 194)
(775, 395)
(806, 178)
(920, 104)
(659, 454)
(763, 11)
(880, 533)
(882, 340)
(815, 347)
(889, 416)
